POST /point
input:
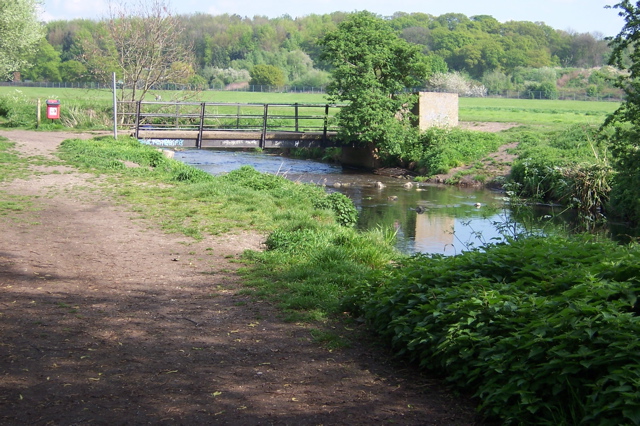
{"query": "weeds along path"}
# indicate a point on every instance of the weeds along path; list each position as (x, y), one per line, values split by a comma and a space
(106, 320)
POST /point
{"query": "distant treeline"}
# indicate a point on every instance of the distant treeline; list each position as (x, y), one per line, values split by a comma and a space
(227, 47)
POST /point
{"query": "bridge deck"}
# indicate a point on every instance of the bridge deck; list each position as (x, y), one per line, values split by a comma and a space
(238, 139)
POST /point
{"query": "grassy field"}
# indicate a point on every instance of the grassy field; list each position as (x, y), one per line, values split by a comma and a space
(535, 111)
(547, 113)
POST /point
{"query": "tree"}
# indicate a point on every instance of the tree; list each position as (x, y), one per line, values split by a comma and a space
(267, 75)
(45, 64)
(20, 32)
(373, 71)
(73, 71)
(143, 42)
(625, 144)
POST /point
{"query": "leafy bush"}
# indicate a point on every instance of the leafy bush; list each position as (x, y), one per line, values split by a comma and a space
(544, 329)
(625, 193)
(249, 177)
(546, 90)
(341, 205)
(267, 75)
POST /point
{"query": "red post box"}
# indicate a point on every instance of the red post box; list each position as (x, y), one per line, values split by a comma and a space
(53, 109)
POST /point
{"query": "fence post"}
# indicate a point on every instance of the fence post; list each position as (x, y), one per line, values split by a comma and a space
(296, 109)
(326, 121)
(138, 108)
(264, 126)
(200, 130)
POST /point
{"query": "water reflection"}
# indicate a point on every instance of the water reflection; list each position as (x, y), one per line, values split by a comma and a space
(432, 219)
(427, 218)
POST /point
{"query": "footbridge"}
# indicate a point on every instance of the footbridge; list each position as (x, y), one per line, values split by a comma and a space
(231, 125)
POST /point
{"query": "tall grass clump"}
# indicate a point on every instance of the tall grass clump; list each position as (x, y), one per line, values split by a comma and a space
(309, 268)
(570, 167)
(544, 330)
(16, 110)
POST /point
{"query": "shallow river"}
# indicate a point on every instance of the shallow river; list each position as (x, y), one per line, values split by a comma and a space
(426, 218)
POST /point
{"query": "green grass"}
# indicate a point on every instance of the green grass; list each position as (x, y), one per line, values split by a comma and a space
(12, 166)
(539, 112)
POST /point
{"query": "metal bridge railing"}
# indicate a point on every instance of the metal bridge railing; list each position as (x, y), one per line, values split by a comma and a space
(239, 117)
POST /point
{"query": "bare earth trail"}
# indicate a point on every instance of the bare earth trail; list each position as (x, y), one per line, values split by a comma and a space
(107, 320)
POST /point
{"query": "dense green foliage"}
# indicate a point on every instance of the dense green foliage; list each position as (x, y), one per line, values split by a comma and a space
(372, 70)
(438, 150)
(543, 329)
(267, 75)
(626, 120)
(478, 45)
(341, 205)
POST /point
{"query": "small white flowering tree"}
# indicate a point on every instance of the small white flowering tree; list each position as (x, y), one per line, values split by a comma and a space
(20, 32)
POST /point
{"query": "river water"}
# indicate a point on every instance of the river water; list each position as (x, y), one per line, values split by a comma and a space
(426, 218)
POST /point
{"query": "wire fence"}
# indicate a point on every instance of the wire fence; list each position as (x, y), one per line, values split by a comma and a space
(508, 94)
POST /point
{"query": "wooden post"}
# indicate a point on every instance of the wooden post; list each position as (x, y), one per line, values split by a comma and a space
(38, 113)
(296, 107)
(326, 121)
(238, 118)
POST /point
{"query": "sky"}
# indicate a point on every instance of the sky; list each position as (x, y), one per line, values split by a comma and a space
(582, 16)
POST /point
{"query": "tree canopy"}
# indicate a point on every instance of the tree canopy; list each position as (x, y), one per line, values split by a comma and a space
(372, 69)
(267, 75)
(20, 32)
(475, 45)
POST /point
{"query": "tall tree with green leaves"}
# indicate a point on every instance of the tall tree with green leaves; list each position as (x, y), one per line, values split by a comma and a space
(625, 144)
(373, 70)
(20, 32)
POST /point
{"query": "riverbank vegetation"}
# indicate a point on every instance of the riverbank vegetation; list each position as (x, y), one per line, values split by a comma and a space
(542, 330)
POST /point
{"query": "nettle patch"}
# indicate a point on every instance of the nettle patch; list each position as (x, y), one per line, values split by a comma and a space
(544, 330)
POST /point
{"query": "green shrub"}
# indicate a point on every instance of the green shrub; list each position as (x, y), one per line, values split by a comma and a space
(545, 90)
(342, 206)
(543, 329)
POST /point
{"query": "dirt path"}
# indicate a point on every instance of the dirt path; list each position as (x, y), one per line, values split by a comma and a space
(106, 320)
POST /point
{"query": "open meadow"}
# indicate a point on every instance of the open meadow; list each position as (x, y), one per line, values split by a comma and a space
(534, 112)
